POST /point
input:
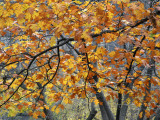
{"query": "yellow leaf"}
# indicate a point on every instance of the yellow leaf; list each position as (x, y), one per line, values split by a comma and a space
(47, 107)
(57, 110)
(35, 14)
(12, 112)
(120, 81)
(26, 1)
(77, 2)
(158, 44)
(53, 108)
(65, 100)
(27, 61)
(35, 115)
(53, 41)
(9, 21)
(50, 85)
(140, 82)
(120, 1)
(128, 100)
(86, 36)
(98, 85)
(135, 74)
(2, 21)
(65, 81)
(34, 27)
(97, 30)
(28, 16)
(121, 91)
(69, 101)
(112, 54)
(14, 65)
(140, 115)
(96, 102)
(85, 74)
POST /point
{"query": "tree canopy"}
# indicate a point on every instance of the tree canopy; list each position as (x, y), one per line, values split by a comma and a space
(54, 51)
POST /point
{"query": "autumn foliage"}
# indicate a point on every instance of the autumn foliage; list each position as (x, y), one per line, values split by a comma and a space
(56, 50)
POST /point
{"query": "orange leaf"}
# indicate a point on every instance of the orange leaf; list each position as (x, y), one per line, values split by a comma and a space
(140, 115)
(20, 106)
(83, 93)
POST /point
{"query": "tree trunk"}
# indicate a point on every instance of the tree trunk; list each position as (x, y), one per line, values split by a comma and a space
(93, 112)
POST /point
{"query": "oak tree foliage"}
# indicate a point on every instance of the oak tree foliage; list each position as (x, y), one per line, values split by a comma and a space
(37, 71)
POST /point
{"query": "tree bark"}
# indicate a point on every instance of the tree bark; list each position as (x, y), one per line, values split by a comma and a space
(101, 98)
(92, 113)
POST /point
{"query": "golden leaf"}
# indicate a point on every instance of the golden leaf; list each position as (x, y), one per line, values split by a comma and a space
(112, 54)
(52, 41)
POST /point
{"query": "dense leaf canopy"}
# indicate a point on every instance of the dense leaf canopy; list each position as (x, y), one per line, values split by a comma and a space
(56, 50)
